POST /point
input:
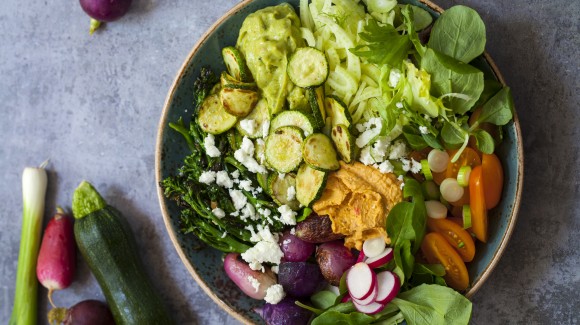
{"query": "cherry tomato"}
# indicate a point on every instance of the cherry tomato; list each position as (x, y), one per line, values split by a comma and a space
(477, 204)
(468, 157)
(455, 235)
(438, 251)
(463, 200)
(492, 180)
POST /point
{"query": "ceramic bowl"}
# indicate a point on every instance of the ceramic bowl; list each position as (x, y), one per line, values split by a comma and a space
(205, 264)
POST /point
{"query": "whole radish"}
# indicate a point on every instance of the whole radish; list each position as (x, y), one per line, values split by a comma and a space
(104, 10)
(86, 312)
(57, 257)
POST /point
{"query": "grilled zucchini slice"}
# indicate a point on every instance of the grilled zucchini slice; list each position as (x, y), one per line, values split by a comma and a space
(284, 148)
(293, 118)
(235, 64)
(238, 102)
(212, 117)
(316, 101)
(310, 184)
(279, 187)
(344, 142)
(318, 152)
(337, 111)
(308, 67)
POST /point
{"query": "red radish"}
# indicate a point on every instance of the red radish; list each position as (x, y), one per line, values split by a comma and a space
(388, 285)
(253, 283)
(360, 281)
(368, 300)
(57, 257)
(361, 257)
(385, 257)
(346, 298)
(369, 309)
(374, 246)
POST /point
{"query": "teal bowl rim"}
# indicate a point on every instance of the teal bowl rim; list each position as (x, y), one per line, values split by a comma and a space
(476, 284)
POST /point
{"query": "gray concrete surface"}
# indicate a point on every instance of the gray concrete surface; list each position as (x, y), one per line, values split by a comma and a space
(91, 105)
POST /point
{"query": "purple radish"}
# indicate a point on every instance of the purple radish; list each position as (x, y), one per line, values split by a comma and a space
(334, 259)
(253, 283)
(388, 285)
(294, 248)
(56, 263)
(104, 10)
(383, 258)
(87, 312)
(361, 281)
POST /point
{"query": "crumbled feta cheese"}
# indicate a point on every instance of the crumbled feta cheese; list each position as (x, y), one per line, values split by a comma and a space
(400, 105)
(238, 198)
(373, 128)
(210, 148)
(265, 212)
(218, 213)
(400, 178)
(249, 126)
(394, 77)
(291, 193)
(254, 282)
(287, 216)
(398, 150)
(366, 157)
(223, 179)
(386, 167)
(235, 174)
(248, 212)
(360, 128)
(423, 129)
(406, 164)
(265, 128)
(207, 177)
(246, 185)
(263, 252)
(245, 155)
(274, 294)
(380, 148)
(415, 166)
(275, 269)
(293, 231)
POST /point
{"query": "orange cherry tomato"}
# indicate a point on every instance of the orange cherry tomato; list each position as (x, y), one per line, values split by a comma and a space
(468, 157)
(455, 235)
(477, 205)
(492, 180)
(438, 251)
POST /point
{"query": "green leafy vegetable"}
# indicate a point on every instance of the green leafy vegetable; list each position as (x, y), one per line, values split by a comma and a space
(384, 44)
(484, 141)
(323, 299)
(459, 33)
(497, 110)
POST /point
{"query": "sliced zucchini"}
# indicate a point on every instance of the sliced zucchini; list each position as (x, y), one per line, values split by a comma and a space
(310, 184)
(236, 64)
(293, 118)
(344, 142)
(284, 148)
(318, 152)
(308, 67)
(227, 81)
(212, 117)
(279, 188)
(337, 111)
(238, 102)
(316, 101)
(259, 116)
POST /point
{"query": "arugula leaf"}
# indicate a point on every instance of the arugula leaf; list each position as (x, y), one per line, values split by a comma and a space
(485, 142)
(459, 33)
(451, 76)
(498, 110)
(434, 305)
(384, 44)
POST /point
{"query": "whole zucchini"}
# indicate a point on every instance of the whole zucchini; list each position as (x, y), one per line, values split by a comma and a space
(109, 248)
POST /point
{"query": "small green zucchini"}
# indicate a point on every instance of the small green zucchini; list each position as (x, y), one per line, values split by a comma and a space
(109, 248)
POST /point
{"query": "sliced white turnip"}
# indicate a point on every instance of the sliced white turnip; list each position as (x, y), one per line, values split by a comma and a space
(374, 246)
(361, 281)
(383, 258)
(388, 285)
(369, 309)
(451, 191)
(435, 209)
(368, 300)
(438, 160)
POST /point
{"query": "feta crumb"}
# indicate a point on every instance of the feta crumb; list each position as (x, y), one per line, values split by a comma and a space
(263, 252)
(373, 128)
(386, 167)
(210, 148)
(380, 148)
(399, 105)
(235, 174)
(293, 231)
(245, 155)
(254, 282)
(398, 150)
(415, 166)
(249, 126)
(291, 193)
(287, 216)
(394, 77)
(423, 129)
(223, 179)
(275, 269)
(265, 212)
(207, 177)
(218, 213)
(406, 164)
(246, 185)
(238, 198)
(275, 294)
(248, 212)
(265, 128)
(366, 157)
(360, 127)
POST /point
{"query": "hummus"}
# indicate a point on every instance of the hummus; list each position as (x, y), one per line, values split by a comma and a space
(358, 198)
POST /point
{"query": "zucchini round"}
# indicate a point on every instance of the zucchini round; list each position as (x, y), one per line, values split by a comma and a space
(212, 117)
(310, 184)
(308, 67)
(293, 118)
(318, 152)
(279, 188)
(344, 142)
(236, 64)
(284, 149)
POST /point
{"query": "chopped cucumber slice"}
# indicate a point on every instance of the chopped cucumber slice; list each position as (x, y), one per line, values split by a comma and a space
(308, 67)
(284, 149)
(212, 117)
(293, 118)
(337, 111)
(316, 101)
(319, 153)
(237, 101)
(310, 184)
(344, 142)
(236, 64)
(283, 189)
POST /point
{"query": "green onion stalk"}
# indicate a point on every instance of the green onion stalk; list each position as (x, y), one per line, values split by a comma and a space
(34, 182)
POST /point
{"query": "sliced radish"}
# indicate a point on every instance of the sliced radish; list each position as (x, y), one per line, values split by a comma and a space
(361, 281)
(361, 257)
(346, 298)
(383, 258)
(388, 285)
(374, 246)
(369, 309)
(435, 209)
(368, 300)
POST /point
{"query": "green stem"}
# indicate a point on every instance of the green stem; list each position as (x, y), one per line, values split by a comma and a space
(95, 24)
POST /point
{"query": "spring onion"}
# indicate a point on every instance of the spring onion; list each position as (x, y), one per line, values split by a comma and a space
(34, 182)
(450, 190)
(438, 160)
(466, 216)
(463, 176)
(426, 170)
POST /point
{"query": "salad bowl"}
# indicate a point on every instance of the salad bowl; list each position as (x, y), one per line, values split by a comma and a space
(204, 263)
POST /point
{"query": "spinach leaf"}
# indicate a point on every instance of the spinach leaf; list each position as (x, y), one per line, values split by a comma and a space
(415, 141)
(490, 88)
(384, 44)
(433, 269)
(459, 33)
(449, 76)
(497, 110)
(421, 18)
(323, 299)
(432, 141)
(433, 304)
(452, 133)
(484, 141)
(409, 21)
(333, 317)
